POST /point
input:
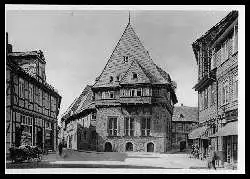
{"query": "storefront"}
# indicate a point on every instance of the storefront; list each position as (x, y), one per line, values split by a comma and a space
(199, 138)
(229, 136)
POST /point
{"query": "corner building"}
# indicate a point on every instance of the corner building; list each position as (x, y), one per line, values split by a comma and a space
(134, 100)
(32, 105)
(216, 54)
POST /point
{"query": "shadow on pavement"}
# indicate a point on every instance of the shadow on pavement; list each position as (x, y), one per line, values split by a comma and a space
(48, 165)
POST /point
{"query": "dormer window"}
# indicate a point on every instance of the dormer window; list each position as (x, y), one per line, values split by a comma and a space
(125, 59)
(134, 76)
(117, 78)
(181, 116)
(110, 79)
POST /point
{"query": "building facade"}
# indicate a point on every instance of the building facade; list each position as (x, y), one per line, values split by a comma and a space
(216, 54)
(133, 102)
(32, 105)
(79, 123)
(184, 120)
(134, 99)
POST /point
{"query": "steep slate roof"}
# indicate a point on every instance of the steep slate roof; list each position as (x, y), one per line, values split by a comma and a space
(84, 101)
(130, 45)
(189, 114)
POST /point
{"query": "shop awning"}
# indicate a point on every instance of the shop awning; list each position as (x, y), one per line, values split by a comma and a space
(230, 128)
(197, 133)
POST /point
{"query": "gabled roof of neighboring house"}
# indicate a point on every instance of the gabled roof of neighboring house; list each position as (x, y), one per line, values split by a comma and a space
(185, 113)
(130, 46)
(84, 101)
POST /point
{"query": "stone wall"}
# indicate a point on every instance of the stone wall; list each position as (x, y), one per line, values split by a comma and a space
(160, 130)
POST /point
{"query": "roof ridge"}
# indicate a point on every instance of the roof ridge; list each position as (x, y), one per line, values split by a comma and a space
(110, 57)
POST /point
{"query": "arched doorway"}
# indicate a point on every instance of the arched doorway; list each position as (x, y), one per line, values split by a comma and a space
(150, 147)
(108, 147)
(129, 147)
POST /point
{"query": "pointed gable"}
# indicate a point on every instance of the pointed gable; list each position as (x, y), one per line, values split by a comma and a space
(135, 74)
(128, 48)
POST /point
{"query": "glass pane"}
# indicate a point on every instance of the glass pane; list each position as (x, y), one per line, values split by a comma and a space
(143, 126)
(115, 123)
(110, 123)
(126, 123)
(148, 132)
(148, 123)
(115, 132)
(131, 132)
(131, 123)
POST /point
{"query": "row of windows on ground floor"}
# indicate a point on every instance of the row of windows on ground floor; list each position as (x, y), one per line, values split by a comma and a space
(29, 130)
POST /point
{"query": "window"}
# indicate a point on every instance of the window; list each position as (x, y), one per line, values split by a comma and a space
(129, 126)
(132, 92)
(206, 98)
(213, 97)
(93, 115)
(225, 50)
(48, 125)
(26, 89)
(112, 94)
(179, 127)
(224, 93)
(134, 76)
(103, 95)
(21, 88)
(30, 92)
(117, 78)
(235, 39)
(202, 100)
(139, 92)
(111, 79)
(213, 60)
(235, 88)
(123, 92)
(156, 92)
(146, 92)
(145, 126)
(112, 126)
(125, 59)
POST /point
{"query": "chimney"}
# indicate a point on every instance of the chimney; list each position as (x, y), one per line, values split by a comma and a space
(8, 46)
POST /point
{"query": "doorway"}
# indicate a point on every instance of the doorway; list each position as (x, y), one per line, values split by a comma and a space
(150, 147)
(108, 147)
(129, 147)
(39, 139)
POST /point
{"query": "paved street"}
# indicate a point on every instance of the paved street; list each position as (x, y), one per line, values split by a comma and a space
(118, 162)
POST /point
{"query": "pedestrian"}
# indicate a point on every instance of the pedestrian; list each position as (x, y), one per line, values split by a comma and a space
(60, 148)
(211, 158)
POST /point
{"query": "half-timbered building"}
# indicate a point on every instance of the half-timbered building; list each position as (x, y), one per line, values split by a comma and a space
(32, 105)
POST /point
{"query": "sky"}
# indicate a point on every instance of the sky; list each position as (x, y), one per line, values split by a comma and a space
(77, 44)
